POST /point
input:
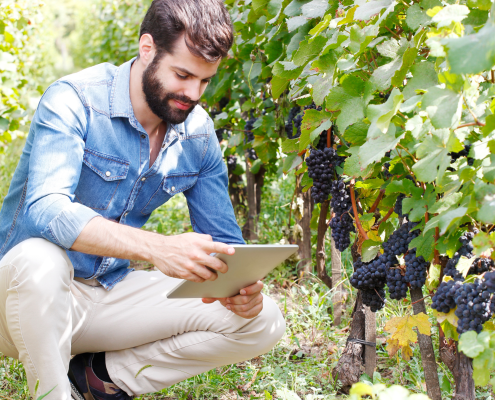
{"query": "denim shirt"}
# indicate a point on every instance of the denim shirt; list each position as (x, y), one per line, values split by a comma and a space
(86, 155)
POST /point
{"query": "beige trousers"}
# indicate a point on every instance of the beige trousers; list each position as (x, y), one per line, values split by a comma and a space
(45, 316)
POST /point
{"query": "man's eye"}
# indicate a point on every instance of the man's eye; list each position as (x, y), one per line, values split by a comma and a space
(206, 81)
(181, 76)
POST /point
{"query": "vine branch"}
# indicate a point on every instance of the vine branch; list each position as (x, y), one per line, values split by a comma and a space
(377, 201)
(354, 208)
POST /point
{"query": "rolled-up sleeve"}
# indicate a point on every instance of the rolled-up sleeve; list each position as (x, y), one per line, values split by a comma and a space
(59, 126)
(208, 200)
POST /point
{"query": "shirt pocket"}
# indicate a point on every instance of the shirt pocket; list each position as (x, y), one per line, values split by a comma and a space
(169, 187)
(101, 175)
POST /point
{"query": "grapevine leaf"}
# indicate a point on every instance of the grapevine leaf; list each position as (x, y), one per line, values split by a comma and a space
(258, 5)
(278, 86)
(308, 51)
(381, 115)
(322, 25)
(291, 162)
(294, 8)
(315, 8)
(290, 145)
(321, 89)
(375, 148)
(424, 244)
(407, 353)
(469, 344)
(389, 48)
(313, 123)
(392, 347)
(463, 265)
(449, 14)
(424, 77)
(450, 317)
(486, 212)
(352, 166)
(296, 22)
(482, 366)
(382, 76)
(370, 9)
(356, 133)
(349, 17)
(286, 70)
(361, 389)
(445, 203)
(443, 106)
(449, 330)
(369, 250)
(415, 17)
(433, 279)
(404, 186)
(445, 220)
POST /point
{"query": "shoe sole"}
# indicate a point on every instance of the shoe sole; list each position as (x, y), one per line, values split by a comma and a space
(75, 395)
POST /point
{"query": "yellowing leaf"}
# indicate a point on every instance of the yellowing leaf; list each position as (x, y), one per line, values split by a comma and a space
(373, 235)
(392, 347)
(362, 389)
(450, 317)
(407, 353)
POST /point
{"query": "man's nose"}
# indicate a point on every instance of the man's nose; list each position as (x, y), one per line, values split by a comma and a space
(193, 90)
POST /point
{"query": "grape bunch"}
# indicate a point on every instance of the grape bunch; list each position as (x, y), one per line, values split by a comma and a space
(465, 250)
(231, 163)
(321, 167)
(462, 153)
(481, 265)
(374, 299)
(398, 242)
(322, 141)
(295, 116)
(473, 306)
(386, 171)
(248, 131)
(416, 268)
(398, 206)
(397, 284)
(342, 223)
(444, 298)
(369, 276)
(221, 131)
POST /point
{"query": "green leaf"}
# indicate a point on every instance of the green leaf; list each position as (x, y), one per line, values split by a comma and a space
(433, 277)
(352, 166)
(369, 250)
(321, 89)
(312, 129)
(415, 17)
(381, 115)
(286, 70)
(482, 366)
(296, 22)
(424, 244)
(290, 145)
(256, 166)
(294, 7)
(308, 51)
(443, 106)
(315, 9)
(259, 5)
(370, 9)
(278, 86)
(142, 369)
(445, 203)
(4, 124)
(481, 4)
(375, 148)
(486, 212)
(449, 14)
(356, 133)
(424, 77)
(291, 162)
(318, 29)
(472, 54)
(9, 38)
(469, 344)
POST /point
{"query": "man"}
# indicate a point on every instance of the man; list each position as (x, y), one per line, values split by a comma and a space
(106, 147)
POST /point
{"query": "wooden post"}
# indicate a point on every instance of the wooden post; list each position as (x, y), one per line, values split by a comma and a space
(254, 185)
(337, 284)
(304, 241)
(320, 245)
(370, 336)
(426, 348)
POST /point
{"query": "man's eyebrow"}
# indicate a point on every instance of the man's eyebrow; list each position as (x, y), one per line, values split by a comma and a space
(190, 73)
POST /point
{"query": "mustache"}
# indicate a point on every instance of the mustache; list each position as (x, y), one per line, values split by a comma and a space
(182, 98)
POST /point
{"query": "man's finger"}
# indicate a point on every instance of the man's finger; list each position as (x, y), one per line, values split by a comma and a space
(244, 307)
(252, 289)
(215, 263)
(218, 247)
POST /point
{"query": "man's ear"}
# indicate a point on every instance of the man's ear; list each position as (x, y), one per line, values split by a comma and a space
(147, 49)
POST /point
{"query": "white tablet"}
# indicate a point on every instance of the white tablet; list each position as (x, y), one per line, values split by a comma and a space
(249, 264)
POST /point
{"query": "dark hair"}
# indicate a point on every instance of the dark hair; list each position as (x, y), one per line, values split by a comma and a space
(206, 24)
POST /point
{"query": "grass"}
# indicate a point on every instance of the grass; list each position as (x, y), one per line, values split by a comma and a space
(302, 361)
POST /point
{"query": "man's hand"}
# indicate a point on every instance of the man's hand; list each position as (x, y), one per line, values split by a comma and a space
(187, 256)
(247, 305)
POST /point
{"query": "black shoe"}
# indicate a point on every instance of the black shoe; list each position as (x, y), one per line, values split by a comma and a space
(86, 385)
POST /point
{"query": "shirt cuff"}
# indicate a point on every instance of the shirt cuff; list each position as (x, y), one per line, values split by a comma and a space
(68, 224)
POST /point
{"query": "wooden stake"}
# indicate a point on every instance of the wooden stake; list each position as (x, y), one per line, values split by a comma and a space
(370, 336)
(426, 348)
(337, 284)
(320, 245)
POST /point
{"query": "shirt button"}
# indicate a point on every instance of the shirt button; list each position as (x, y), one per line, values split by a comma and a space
(163, 146)
(143, 179)
(173, 188)
(108, 173)
(143, 136)
(125, 214)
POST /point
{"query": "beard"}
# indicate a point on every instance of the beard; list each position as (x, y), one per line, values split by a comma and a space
(158, 98)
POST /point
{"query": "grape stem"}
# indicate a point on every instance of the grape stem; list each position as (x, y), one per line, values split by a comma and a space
(477, 123)
(354, 208)
(377, 201)
(417, 301)
(387, 216)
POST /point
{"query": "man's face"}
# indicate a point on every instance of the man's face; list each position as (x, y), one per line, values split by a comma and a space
(174, 83)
